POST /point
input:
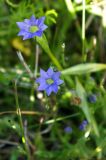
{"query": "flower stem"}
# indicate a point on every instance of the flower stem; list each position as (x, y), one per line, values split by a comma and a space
(36, 60)
(84, 56)
(55, 61)
(42, 41)
(21, 124)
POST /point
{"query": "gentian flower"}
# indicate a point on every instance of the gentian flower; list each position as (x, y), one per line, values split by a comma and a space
(83, 125)
(32, 27)
(49, 81)
(68, 129)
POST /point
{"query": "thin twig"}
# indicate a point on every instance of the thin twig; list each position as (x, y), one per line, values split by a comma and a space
(23, 112)
(8, 142)
(26, 135)
(24, 64)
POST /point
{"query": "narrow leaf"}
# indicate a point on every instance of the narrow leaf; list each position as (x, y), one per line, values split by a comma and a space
(84, 68)
(84, 106)
(44, 44)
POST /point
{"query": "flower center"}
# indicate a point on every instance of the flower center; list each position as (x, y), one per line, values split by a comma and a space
(49, 81)
(33, 29)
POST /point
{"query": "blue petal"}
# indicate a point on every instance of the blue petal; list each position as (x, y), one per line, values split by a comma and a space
(22, 33)
(54, 88)
(40, 21)
(40, 80)
(38, 33)
(49, 90)
(59, 81)
(68, 129)
(50, 72)
(85, 122)
(27, 21)
(42, 86)
(43, 74)
(32, 20)
(28, 35)
(56, 76)
(23, 25)
(43, 27)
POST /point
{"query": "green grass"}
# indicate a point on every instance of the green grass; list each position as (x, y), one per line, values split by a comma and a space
(32, 125)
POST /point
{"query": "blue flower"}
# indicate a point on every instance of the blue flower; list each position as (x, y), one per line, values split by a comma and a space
(32, 27)
(49, 81)
(83, 125)
(92, 98)
(68, 129)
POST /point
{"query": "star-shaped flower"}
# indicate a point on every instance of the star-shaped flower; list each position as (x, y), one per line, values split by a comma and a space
(32, 27)
(49, 81)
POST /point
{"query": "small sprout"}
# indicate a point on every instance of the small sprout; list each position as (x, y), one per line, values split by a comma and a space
(67, 95)
(98, 149)
(32, 98)
(23, 139)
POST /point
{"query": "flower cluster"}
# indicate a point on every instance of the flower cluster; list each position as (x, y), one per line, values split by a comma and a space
(83, 125)
(49, 81)
(31, 27)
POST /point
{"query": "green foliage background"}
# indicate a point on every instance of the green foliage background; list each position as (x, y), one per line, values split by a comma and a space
(45, 118)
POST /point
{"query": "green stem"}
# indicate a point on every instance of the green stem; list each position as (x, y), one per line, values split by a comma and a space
(42, 41)
(70, 8)
(55, 61)
(83, 31)
(21, 124)
(44, 44)
(36, 60)
(11, 4)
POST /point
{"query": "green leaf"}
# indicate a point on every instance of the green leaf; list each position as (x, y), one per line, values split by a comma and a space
(84, 106)
(51, 15)
(70, 7)
(44, 44)
(84, 68)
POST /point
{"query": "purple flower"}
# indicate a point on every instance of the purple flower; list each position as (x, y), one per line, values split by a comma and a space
(83, 125)
(49, 81)
(68, 129)
(32, 27)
